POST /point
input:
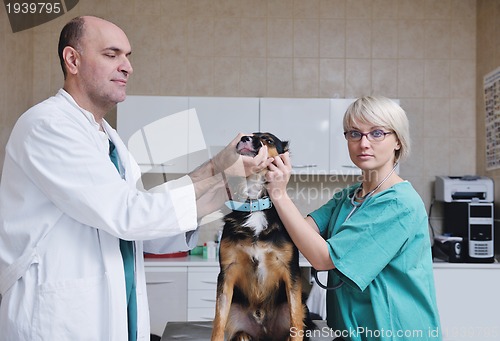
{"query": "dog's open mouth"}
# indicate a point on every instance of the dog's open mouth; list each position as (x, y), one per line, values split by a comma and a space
(249, 146)
(247, 151)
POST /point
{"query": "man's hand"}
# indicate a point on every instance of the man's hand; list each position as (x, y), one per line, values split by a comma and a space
(234, 164)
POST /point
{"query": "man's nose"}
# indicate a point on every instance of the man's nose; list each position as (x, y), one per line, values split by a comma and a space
(126, 66)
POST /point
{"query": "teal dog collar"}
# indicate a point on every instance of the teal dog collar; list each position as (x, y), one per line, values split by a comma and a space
(251, 205)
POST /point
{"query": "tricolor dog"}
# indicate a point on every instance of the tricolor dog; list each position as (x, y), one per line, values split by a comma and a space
(259, 291)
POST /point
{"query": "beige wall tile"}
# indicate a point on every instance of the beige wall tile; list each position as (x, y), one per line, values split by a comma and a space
(332, 38)
(411, 39)
(280, 77)
(227, 8)
(436, 78)
(174, 37)
(280, 8)
(174, 76)
(200, 8)
(358, 38)
(306, 38)
(438, 9)
(411, 9)
(227, 37)
(414, 109)
(254, 36)
(463, 156)
(226, 76)
(200, 76)
(200, 37)
(385, 77)
(385, 9)
(414, 165)
(280, 38)
(384, 39)
(359, 9)
(436, 118)
(332, 78)
(306, 77)
(332, 8)
(253, 8)
(463, 78)
(437, 156)
(253, 77)
(410, 78)
(462, 118)
(174, 8)
(358, 78)
(463, 35)
(437, 38)
(306, 9)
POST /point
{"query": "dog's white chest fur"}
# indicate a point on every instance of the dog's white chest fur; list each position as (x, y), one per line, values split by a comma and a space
(257, 221)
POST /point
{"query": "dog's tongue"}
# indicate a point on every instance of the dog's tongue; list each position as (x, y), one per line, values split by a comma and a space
(247, 151)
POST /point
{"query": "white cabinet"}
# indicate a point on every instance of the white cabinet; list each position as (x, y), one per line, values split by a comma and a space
(177, 134)
(468, 297)
(167, 296)
(314, 128)
(202, 292)
(305, 123)
(160, 132)
(221, 119)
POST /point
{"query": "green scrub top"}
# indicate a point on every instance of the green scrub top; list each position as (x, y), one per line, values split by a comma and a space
(382, 253)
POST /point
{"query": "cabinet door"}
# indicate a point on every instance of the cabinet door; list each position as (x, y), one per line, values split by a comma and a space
(167, 296)
(340, 162)
(305, 123)
(221, 119)
(160, 132)
(202, 292)
(468, 300)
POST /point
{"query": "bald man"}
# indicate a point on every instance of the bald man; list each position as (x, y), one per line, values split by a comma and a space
(73, 220)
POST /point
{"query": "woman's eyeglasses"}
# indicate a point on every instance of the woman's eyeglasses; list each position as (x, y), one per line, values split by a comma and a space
(374, 135)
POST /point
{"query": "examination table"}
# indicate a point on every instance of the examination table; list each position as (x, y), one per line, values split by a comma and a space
(201, 331)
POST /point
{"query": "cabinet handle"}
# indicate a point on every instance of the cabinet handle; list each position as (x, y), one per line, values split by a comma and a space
(304, 166)
(209, 282)
(160, 282)
(209, 299)
(349, 166)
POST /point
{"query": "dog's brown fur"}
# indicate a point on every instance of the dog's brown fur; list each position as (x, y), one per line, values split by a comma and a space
(259, 291)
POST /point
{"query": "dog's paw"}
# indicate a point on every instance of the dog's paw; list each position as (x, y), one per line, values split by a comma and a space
(241, 336)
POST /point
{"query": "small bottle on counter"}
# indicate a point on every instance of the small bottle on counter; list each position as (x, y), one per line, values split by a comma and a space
(211, 250)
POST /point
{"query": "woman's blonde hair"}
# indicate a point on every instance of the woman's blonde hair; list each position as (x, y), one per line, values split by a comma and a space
(383, 112)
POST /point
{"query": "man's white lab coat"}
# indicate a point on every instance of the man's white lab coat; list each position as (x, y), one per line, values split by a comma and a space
(63, 208)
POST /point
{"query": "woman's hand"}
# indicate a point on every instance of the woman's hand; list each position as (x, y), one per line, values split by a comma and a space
(278, 176)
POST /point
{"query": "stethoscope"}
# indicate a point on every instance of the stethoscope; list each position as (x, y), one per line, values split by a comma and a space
(356, 202)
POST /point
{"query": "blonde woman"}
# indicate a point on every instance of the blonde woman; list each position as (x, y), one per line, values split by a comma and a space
(372, 237)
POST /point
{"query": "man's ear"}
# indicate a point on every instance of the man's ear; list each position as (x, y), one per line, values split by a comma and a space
(71, 58)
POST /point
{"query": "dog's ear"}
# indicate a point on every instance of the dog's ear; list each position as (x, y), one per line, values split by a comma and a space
(286, 145)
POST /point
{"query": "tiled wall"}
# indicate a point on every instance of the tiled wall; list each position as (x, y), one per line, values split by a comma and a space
(420, 51)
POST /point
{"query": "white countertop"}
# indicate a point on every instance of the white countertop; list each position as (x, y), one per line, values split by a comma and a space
(197, 261)
(200, 261)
